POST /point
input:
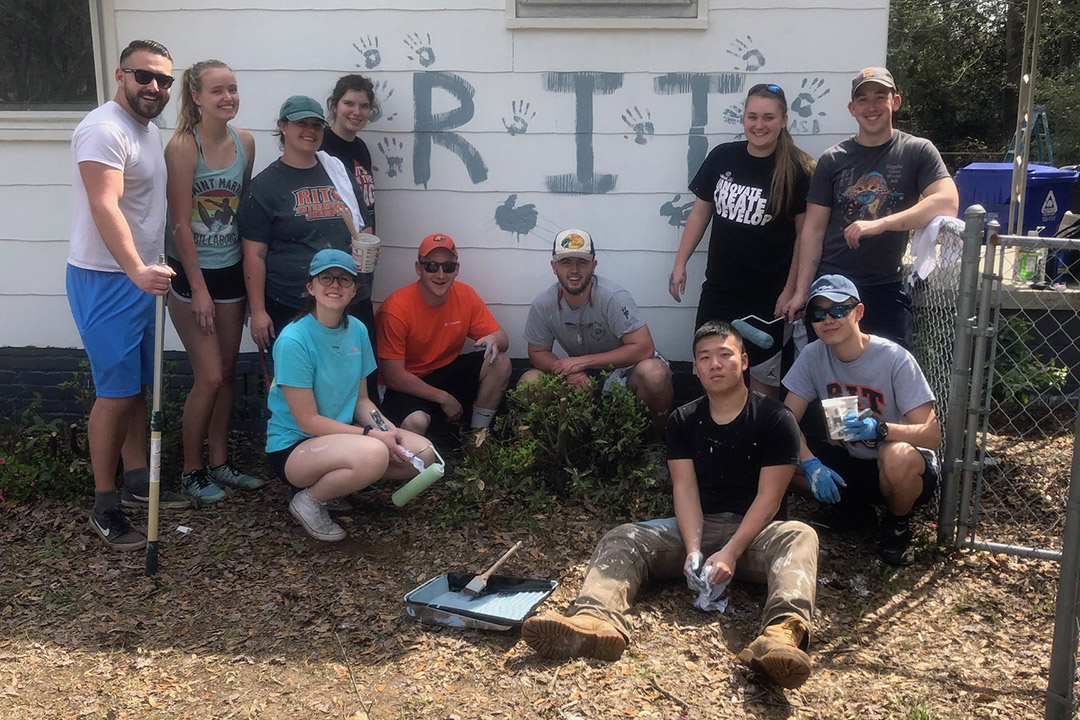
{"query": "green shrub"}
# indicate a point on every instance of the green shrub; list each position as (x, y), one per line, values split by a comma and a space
(43, 458)
(1019, 372)
(562, 443)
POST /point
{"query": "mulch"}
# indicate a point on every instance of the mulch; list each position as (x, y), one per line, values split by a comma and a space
(250, 618)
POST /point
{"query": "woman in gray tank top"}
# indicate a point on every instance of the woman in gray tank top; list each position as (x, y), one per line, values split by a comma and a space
(209, 164)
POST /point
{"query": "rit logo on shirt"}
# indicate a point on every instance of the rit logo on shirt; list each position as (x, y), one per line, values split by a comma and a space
(870, 397)
(317, 203)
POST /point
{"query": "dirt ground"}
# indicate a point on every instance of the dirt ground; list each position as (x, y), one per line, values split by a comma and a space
(250, 618)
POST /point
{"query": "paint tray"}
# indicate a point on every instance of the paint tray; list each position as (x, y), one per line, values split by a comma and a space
(503, 605)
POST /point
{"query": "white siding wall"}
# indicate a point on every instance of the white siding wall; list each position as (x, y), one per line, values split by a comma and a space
(807, 46)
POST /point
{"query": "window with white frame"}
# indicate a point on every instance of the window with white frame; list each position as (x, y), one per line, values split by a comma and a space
(47, 56)
(607, 13)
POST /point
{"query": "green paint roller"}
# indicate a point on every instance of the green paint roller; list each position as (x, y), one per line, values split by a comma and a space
(422, 481)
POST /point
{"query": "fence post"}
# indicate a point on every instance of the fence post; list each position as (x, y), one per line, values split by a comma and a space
(978, 392)
(1059, 688)
(960, 373)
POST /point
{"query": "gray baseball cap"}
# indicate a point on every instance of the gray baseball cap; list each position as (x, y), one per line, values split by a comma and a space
(878, 75)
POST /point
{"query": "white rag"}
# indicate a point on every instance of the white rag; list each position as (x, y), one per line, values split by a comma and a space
(943, 229)
(340, 177)
(710, 598)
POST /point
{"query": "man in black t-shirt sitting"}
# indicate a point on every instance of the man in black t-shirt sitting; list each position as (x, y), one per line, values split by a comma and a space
(731, 454)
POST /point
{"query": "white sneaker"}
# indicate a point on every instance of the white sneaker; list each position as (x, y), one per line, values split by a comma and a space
(313, 516)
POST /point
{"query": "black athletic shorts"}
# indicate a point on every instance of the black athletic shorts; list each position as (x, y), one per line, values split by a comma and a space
(461, 378)
(278, 458)
(226, 285)
(861, 474)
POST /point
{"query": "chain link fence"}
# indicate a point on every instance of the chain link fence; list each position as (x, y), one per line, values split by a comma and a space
(1022, 403)
(933, 278)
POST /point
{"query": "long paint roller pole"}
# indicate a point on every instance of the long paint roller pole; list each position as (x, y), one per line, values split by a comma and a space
(157, 422)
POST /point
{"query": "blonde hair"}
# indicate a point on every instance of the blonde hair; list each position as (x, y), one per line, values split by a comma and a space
(788, 158)
(191, 82)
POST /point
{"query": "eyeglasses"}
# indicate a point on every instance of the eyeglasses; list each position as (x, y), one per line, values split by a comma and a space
(836, 311)
(774, 89)
(433, 267)
(143, 77)
(328, 279)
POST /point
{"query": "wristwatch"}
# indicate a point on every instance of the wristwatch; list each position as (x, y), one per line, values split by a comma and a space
(882, 432)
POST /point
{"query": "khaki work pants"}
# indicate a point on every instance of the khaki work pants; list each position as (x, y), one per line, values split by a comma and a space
(783, 557)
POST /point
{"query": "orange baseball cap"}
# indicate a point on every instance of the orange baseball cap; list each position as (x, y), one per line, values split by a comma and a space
(436, 241)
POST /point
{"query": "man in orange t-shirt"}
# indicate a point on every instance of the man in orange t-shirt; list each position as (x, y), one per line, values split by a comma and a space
(422, 330)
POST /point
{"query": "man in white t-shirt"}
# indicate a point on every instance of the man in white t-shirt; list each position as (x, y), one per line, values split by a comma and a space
(599, 326)
(117, 235)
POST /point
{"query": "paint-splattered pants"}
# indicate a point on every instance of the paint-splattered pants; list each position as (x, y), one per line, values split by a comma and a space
(783, 557)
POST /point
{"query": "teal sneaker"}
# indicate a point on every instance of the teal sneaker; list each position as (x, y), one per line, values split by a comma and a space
(225, 475)
(199, 487)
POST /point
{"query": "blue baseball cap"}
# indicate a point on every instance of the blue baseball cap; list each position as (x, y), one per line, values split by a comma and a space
(331, 258)
(835, 287)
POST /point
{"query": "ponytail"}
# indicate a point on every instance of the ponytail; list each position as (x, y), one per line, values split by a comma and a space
(789, 158)
(191, 82)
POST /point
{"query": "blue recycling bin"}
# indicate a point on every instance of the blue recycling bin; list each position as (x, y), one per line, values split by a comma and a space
(990, 184)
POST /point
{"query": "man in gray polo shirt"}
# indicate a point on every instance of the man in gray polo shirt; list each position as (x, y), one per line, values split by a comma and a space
(598, 325)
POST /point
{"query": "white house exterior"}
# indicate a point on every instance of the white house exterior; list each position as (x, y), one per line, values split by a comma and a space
(483, 122)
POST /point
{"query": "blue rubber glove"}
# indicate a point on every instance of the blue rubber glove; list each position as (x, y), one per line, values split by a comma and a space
(823, 480)
(490, 351)
(858, 428)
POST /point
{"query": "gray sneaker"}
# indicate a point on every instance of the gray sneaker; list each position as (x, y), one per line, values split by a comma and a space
(140, 498)
(313, 516)
(116, 530)
(226, 475)
(200, 488)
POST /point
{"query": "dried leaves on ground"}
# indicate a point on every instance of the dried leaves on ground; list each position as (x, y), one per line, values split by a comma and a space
(250, 618)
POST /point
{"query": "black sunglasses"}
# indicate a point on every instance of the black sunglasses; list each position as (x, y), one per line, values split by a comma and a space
(836, 311)
(433, 267)
(143, 77)
(774, 89)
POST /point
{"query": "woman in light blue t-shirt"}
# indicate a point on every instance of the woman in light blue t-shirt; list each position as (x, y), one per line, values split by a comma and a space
(325, 437)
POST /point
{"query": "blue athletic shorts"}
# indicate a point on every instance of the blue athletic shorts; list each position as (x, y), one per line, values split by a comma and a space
(116, 322)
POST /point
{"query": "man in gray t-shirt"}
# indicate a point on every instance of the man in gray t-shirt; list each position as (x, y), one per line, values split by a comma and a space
(883, 456)
(864, 198)
(598, 325)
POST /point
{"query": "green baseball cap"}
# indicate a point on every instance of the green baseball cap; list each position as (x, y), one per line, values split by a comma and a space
(299, 107)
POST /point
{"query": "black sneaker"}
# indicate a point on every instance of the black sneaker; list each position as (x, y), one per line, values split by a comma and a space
(896, 549)
(116, 530)
(140, 498)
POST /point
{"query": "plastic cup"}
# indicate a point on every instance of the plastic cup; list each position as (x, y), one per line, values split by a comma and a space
(835, 410)
(365, 252)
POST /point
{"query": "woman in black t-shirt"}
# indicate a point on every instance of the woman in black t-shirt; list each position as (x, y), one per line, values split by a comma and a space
(290, 211)
(350, 106)
(754, 193)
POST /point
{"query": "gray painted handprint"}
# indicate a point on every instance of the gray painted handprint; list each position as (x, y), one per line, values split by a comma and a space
(749, 58)
(383, 93)
(394, 152)
(369, 49)
(420, 48)
(520, 115)
(641, 124)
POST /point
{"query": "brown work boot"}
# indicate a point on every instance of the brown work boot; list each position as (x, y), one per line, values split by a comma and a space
(562, 637)
(776, 653)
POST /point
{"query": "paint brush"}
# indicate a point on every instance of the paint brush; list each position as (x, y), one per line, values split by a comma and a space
(478, 583)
